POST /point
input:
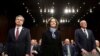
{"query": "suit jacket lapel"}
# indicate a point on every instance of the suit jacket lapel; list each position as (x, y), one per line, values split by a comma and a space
(21, 33)
(83, 33)
(50, 34)
(13, 33)
(56, 33)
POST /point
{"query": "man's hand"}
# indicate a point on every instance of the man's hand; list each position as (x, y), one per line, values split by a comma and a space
(34, 51)
(84, 51)
(94, 51)
(27, 55)
(5, 55)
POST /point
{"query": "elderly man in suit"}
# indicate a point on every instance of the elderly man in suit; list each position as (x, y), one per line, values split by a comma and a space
(18, 41)
(85, 40)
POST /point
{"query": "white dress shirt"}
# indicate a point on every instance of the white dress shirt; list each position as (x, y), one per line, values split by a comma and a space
(68, 50)
(19, 28)
(32, 50)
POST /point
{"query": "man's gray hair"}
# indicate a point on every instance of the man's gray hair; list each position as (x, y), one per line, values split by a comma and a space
(20, 16)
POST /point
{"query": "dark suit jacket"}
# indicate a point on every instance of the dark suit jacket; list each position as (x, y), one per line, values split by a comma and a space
(21, 46)
(83, 42)
(36, 48)
(51, 46)
(1, 48)
(72, 50)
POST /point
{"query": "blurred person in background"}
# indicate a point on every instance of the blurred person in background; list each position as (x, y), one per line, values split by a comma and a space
(68, 49)
(34, 48)
(98, 46)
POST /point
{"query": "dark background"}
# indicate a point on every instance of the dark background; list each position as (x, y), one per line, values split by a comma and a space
(9, 9)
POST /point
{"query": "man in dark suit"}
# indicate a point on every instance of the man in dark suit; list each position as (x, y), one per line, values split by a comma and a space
(68, 49)
(34, 48)
(18, 42)
(85, 40)
(51, 41)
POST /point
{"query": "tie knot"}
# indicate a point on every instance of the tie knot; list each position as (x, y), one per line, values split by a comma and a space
(17, 28)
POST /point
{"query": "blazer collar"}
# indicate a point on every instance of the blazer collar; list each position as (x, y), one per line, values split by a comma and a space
(83, 32)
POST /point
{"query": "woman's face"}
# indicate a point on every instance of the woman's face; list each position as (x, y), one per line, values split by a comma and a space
(53, 23)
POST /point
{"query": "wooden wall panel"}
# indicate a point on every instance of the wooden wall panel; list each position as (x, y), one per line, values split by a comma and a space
(3, 28)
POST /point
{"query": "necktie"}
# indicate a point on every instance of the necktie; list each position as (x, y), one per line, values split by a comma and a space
(85, 33)
(17, 33)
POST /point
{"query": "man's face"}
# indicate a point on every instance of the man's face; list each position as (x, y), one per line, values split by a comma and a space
(83, 24)
(67, 42)
(53, 23)
(33, 42)
(19, 21)
(72, 41)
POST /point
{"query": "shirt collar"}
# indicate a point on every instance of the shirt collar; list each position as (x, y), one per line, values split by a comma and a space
(83, 29)
(20, 27)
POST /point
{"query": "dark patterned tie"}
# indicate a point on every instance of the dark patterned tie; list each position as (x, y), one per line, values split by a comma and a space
(85, 32)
